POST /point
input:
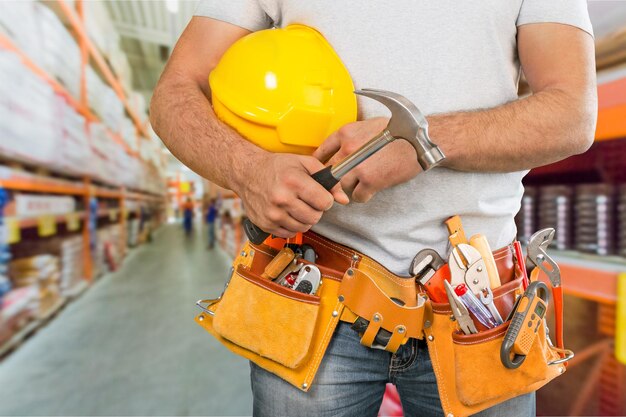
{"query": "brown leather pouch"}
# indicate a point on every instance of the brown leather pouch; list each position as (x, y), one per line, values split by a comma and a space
(279, 329)
(470, 376)
(402, 317)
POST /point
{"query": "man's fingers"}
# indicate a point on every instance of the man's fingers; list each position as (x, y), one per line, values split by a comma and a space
(292, 225)
(339, 195)
(362, 194)
(349, 183)
(311, 192)
(304, 213)
(328, 148)
(315, 196)
(312, 165)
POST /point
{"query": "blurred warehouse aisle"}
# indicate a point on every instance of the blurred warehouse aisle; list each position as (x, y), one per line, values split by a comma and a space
(129, 345)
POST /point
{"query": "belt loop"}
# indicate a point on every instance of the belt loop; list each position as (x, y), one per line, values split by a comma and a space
(355, 260)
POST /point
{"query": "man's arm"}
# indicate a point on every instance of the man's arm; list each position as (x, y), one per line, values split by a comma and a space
(181, 114)
(557, 121)
(277, 189)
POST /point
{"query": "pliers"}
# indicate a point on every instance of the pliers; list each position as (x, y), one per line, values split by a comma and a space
(461, 314)
(537, 256)
(468, 267)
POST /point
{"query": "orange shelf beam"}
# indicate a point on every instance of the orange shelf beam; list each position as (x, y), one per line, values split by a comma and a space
(42, 186)
(611, 123)
(611, 110)
(106, 193)
(78, 26)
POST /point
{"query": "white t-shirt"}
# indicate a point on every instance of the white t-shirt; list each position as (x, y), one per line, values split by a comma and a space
(443, 55)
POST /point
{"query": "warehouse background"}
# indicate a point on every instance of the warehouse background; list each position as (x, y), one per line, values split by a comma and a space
(98, 281)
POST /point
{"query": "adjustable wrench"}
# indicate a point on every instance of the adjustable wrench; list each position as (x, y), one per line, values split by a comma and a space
(429, 268)
(537, 256)
(407, 122)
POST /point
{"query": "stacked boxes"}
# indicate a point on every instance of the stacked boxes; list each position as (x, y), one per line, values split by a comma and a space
(71, 264)
(41, 272)
(32, 131)
(17, 308)
(621, 215)
(39, 126)
(107, 254)
(595, 218)
(589, 218)
(555, 210)
(133, 232)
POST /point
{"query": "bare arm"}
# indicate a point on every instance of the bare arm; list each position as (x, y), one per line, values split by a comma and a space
(278, 192)
(557, 121)
(181, 114)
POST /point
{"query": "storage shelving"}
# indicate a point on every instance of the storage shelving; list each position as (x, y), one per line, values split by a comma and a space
(20, 173)
(595, 278)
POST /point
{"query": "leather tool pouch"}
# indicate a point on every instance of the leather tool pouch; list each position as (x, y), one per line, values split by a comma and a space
(470, 376)
(364, 297)
(281, 330)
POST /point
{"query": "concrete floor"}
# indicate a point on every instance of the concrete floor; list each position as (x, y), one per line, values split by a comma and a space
(129, 345)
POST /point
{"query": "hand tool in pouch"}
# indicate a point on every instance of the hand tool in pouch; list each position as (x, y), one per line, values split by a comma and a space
(407, 122)
(279, 263)
(517, 247)
(455, 231)
(478, 310)
(536, 251)
(460, 312)
(479, 241)
(430, 270)
(486, 297)
(308, 279)
(520, 336)
(468, 267)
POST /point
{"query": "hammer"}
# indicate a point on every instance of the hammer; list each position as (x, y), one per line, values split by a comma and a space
(406, 122)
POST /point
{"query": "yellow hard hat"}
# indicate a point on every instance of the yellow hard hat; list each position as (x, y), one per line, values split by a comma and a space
(285, 90)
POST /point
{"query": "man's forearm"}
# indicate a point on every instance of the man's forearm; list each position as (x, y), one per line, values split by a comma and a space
(183, 118)
(534, 131)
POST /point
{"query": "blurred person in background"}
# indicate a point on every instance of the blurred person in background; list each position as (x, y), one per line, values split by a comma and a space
(187, 209)
(211, 215)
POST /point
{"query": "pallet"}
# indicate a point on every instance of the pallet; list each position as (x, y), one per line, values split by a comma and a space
(31, 328)
(77, 290)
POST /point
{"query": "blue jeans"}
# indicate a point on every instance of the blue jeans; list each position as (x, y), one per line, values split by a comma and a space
(351, 382)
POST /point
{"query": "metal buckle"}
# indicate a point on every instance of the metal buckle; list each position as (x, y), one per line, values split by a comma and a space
(569, 355)
(205, 304)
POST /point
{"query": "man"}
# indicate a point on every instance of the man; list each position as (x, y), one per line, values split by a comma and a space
(211, 215)
(459, 62)
(187, 209)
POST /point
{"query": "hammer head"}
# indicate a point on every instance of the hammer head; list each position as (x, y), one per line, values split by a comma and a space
(407, 122)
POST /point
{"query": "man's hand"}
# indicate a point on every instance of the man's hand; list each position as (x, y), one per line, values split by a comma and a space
(282, 198)
(395, 164)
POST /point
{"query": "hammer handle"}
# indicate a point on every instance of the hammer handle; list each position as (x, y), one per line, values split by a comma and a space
(257, 236)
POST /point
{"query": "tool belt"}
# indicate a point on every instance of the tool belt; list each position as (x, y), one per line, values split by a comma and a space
(287, 332)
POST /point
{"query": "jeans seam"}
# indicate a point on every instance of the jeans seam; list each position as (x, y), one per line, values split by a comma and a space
(405, 365)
